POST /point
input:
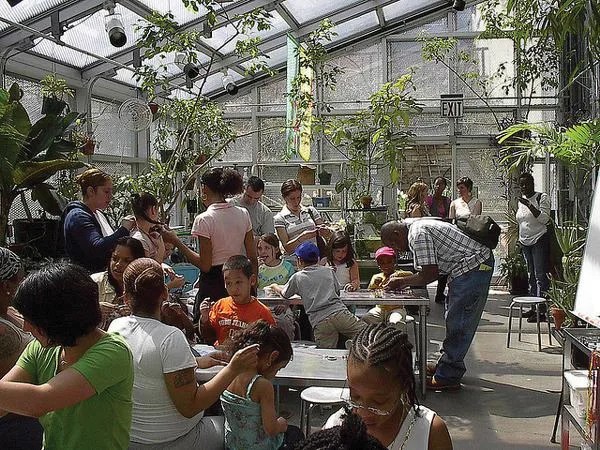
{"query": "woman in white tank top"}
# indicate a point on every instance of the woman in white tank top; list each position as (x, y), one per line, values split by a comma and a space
(465, 205)
(382, 392)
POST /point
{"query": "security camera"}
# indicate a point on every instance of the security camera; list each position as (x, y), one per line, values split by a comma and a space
(115, 30)
(190, 69)
(230, 85)
(459, 5)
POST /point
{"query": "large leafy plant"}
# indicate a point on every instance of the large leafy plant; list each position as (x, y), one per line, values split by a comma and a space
(31, 154)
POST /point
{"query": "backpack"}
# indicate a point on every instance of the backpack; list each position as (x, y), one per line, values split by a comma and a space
(482, 229)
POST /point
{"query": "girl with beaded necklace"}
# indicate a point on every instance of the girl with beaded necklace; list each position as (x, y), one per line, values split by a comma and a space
(380, 364)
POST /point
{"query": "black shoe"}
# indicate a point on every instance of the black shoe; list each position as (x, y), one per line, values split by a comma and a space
(529, 314)
(533, 319)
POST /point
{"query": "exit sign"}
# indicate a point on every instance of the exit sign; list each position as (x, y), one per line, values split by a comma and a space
(451, 105)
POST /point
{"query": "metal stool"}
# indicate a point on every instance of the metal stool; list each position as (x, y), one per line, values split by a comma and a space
(318, 396)
(527, 301)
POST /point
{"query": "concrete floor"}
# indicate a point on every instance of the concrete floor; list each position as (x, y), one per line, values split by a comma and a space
(509, 396)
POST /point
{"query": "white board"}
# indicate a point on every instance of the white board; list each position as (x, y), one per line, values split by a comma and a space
(587, 301)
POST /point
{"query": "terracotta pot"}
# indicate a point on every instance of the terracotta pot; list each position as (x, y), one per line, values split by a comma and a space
(153, 107)
(201, 159)
(559, 317)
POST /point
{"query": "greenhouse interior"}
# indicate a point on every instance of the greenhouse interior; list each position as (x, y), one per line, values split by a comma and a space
(299, 224)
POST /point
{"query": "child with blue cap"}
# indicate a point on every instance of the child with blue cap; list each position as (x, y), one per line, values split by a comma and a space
(320, 292)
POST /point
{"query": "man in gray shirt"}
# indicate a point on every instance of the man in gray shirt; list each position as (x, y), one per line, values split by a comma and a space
(260, 215)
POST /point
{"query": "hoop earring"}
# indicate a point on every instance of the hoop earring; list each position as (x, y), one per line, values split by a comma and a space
(203, 197)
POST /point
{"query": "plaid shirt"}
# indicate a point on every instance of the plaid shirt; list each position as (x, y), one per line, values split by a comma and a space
(438, 243)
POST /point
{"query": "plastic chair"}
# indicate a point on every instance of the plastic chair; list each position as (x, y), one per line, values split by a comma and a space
(313, 396)
(527, 301)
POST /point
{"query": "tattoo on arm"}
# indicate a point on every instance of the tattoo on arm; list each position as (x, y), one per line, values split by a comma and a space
(183, 378)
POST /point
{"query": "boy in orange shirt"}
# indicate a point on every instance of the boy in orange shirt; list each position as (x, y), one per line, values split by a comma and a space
(237, 311)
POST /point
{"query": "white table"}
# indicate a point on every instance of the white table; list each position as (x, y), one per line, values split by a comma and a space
(367, 298)
(309, 367)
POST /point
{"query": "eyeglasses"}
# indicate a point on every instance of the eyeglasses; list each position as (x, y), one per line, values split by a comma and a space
(345, 397)
(376, 411)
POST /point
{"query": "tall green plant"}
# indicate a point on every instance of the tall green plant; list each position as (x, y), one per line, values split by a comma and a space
(375, 137)
(31, 154)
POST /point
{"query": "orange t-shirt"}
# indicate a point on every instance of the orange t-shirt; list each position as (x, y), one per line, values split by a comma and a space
(227, 317)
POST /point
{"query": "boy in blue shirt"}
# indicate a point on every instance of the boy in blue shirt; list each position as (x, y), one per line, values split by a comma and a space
(320, 292)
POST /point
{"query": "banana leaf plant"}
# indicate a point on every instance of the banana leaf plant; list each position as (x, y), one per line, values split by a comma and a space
(30, 154)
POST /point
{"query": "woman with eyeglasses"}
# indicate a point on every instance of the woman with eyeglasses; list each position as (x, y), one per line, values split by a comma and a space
(382, 392)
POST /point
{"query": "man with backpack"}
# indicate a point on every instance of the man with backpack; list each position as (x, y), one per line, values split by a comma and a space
(440, 247)
(533, 218)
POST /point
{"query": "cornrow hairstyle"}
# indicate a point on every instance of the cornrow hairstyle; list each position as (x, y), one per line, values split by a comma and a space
(340, 239)
(350, 435)
(144, 282)
(140, 204)
(273, 241)
(268, 337)
(382, 345)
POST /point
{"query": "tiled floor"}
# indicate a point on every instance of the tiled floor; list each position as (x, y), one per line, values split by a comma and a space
(509, 396)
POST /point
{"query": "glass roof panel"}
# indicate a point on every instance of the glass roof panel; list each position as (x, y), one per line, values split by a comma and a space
(228, 34)
(126, 76)
(307, 10)
(358, 25)
(275, 57)
(88, 34)
(180, 12)
(402, 8)
(26, 10)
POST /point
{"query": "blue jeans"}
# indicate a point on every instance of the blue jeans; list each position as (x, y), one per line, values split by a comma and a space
(467, 295)
(536, 256)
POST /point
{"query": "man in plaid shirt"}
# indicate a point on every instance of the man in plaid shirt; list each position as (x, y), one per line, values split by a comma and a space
(441, 248)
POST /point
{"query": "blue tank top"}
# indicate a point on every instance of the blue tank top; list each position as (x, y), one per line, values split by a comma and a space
(243, 423)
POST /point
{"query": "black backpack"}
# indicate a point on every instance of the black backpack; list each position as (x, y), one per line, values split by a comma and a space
(482, 229)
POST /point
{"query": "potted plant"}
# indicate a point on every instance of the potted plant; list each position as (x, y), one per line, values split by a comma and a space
(31, 154)
(563, 288)
(514, 269)
(54, 91)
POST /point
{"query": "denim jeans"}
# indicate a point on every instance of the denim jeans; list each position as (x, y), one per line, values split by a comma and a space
(467, 295)
(536, 256)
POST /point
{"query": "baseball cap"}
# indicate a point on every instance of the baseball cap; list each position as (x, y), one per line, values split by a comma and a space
(307, 251)
(384, 251)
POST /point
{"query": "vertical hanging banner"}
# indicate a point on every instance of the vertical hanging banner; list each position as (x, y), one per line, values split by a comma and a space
(306, 121)
(292, 71)
(299, 129)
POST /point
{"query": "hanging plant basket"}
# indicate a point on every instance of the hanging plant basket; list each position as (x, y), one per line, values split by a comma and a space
(52, 105)
(153, 107)
(366, 201)
(201, 159)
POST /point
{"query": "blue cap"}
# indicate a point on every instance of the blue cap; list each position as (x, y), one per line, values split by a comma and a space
(307, 251)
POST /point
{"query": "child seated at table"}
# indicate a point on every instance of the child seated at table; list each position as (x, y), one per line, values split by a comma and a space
(386, 260)
(319, 290)
(273, 269)
(230, 314)
(251, 421)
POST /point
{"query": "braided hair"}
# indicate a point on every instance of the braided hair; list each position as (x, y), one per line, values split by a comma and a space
(350, 435)
(382, 345)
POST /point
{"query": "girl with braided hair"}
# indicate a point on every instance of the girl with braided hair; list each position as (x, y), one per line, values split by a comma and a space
(382, 392)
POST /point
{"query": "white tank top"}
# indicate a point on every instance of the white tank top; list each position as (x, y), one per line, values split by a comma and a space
(342, 273)
(415, 437)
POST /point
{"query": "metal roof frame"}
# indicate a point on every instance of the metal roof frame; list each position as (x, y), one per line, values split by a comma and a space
(60, 16)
